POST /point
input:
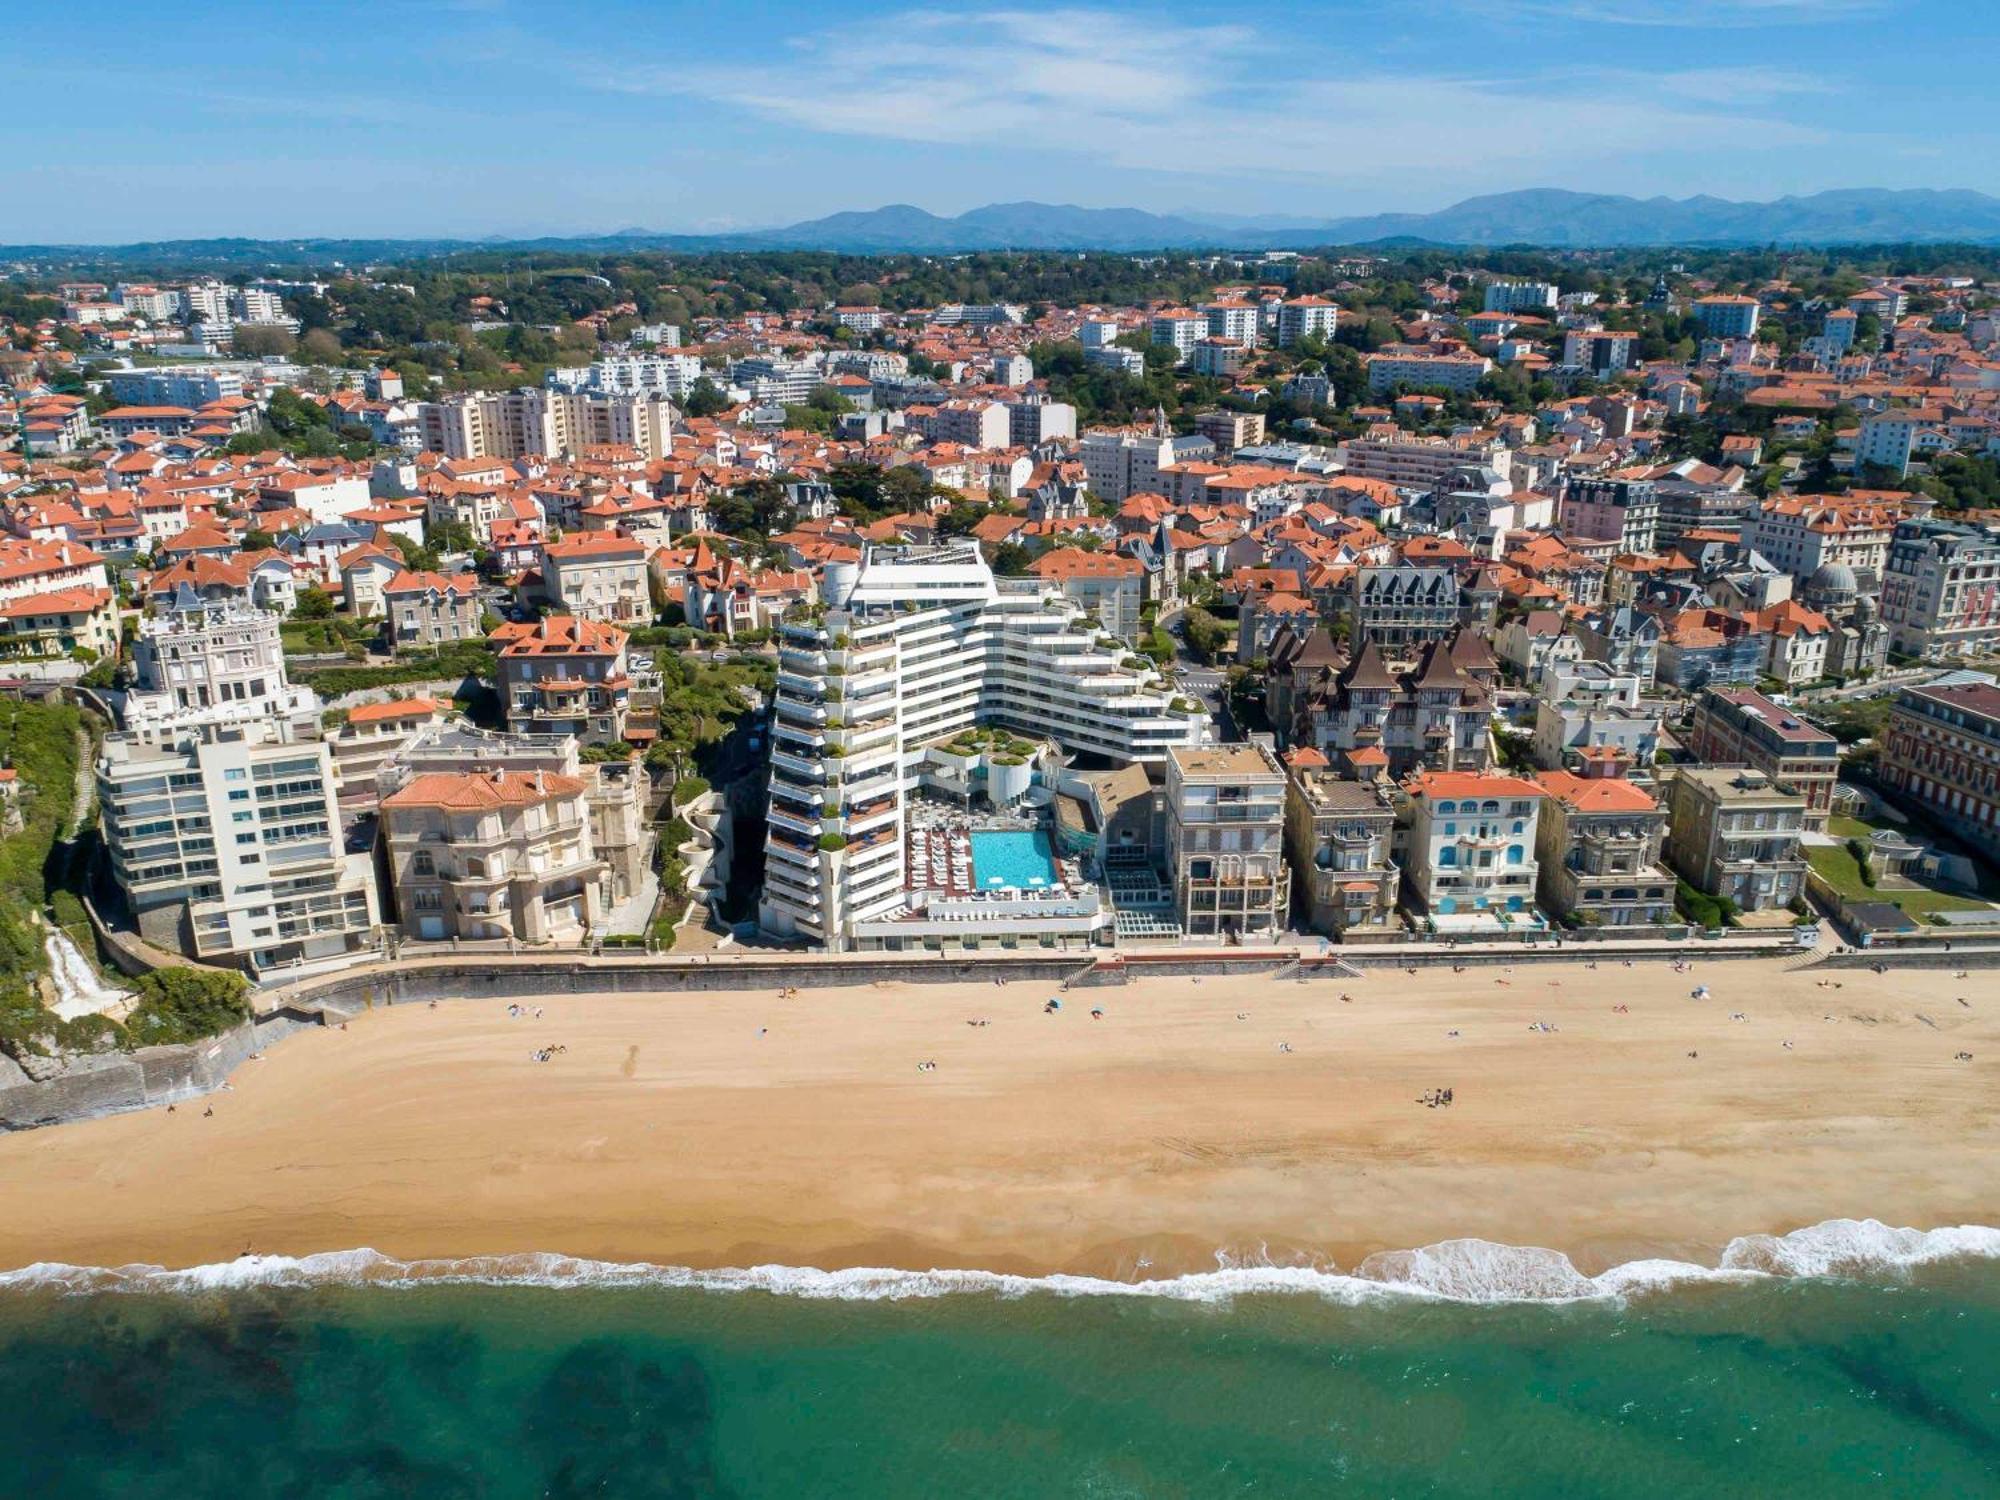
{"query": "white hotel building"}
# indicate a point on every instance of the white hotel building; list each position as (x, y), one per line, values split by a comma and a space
(916, 645)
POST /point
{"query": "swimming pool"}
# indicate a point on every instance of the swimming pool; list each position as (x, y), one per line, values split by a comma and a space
(1020, 861)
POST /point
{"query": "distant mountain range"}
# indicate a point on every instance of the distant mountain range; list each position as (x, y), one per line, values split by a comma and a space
(1548, 217)
(1537, 216)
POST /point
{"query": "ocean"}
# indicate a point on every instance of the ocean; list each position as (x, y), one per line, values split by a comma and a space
(1848, 1360)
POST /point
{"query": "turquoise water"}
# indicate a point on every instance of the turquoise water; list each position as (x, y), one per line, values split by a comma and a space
(1024, 861)
(1812, 1387)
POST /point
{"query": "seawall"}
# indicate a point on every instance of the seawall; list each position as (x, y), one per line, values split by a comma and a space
(114, 1082)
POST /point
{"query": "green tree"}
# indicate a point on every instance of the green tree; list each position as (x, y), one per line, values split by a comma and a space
(1209, 638)
(705, 399)
(314, 603)
(1011, 559)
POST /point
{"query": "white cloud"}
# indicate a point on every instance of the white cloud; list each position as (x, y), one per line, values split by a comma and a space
(1224, 102)
(1707, 14)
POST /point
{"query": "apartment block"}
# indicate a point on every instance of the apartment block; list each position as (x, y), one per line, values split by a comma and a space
(1804, 533)
(511, 424)
(1404, 606)
(914, 645)
(1733, 833)
(1728, 317)
(1520, 297)
(671, 375)
(1741, 727)
(1230, 430)
(1621, 511)
(1941, 589)
(566, 676)
(598, 576)
(1238, 321)
(1421, 463)
(1598, 844)
(1180, 329)
(1122, 462)
(1603, 353)
(1226, 841)
(1339, 835)
(226, 843)
(1426, 372)
(1299, 317)
(1941, 749)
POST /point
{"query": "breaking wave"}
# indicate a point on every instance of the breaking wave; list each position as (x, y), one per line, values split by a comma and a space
(1465, 1270)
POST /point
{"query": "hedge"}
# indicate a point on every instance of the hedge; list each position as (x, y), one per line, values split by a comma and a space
(183, 1004)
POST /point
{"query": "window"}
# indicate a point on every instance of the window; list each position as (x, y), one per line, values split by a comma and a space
(423, 863)
(233, 774)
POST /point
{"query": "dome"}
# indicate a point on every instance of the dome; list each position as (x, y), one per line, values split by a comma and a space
(1833, 583)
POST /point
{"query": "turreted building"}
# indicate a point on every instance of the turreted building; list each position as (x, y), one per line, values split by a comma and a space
(1367, 710)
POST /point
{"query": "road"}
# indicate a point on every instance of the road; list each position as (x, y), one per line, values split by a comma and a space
(1194, 678)
(1889, 682)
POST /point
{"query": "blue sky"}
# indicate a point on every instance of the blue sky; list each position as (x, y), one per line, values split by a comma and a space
(473, 117)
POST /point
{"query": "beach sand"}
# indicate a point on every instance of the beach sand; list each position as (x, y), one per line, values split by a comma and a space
(1142, 1144)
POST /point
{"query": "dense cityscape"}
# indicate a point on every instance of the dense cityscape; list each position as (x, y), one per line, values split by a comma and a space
(772, 599)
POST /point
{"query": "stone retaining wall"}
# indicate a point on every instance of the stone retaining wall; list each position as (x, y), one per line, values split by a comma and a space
(113, 1082)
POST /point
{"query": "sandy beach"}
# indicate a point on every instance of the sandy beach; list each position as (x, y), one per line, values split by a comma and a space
(740, 1129)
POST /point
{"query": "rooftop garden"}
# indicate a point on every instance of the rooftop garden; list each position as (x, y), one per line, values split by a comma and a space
(990, 741)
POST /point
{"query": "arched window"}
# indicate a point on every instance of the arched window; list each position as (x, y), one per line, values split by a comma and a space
(1447, 856)
(1445, 807)
(1490, 806)
(1514, 854)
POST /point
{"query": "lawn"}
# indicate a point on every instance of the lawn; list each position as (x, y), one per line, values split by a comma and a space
(1836, 865)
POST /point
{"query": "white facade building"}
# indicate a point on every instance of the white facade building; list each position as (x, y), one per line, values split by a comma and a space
(1520, 296)
(1180, 329)
(626, 374)
(918, 644)
(227, 844)
(1471, 844)
(1306, 315)
(211, 664)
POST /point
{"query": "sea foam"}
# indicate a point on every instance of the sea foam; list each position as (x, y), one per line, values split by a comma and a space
(1466, 1270)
